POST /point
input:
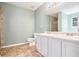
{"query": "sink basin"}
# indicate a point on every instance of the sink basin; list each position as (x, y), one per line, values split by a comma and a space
(69, 34)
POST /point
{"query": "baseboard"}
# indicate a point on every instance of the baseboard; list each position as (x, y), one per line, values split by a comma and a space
(13, 45)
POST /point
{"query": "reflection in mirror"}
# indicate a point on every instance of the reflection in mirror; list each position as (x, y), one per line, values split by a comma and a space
(66, 18)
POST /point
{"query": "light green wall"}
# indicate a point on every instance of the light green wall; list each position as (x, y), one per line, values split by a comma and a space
(19, 23)
(62, 22)
(42, 21)
(59, 22)
(72, 28)
(65, 22)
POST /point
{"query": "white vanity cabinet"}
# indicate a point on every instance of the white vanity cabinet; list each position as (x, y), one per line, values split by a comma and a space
(70, 49)
(42, 45)
(38, 45)
(44, 42)
(54, 47)
(48, 46)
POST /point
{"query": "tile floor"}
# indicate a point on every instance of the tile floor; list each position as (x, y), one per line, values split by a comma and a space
(20, 51)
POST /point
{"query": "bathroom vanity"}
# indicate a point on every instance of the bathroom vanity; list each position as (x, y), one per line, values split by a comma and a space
(58, 44)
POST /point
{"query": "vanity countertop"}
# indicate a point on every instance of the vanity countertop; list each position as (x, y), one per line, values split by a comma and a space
(64, 36)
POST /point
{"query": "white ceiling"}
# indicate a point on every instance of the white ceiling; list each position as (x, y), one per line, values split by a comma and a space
(66, 7)
(27, 5)
(72, 9)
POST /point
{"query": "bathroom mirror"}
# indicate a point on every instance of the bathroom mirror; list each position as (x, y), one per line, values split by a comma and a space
(67, 15)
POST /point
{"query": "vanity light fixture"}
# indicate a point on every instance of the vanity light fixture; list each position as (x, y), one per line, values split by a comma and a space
(53, 4)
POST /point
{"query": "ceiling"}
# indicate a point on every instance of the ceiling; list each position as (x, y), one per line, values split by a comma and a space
(71, 9)
(51, 8)
(66, 7)
(27, 5)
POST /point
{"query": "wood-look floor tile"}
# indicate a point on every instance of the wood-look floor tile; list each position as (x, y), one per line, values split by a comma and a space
(20, 51)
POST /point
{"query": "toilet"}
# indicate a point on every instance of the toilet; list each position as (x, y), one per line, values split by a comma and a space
(31, 41)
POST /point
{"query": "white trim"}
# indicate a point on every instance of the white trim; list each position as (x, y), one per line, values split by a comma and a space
(19, 43)
(13, 45)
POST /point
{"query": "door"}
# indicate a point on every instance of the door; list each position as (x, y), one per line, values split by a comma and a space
(70, 49)
(54, 24)
(54, 47)
(44, 45)
(38, 43)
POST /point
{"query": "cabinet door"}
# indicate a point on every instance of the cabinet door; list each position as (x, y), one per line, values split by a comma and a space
(70, 49)
(38, 43)
(44, 45)
(54, 48)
